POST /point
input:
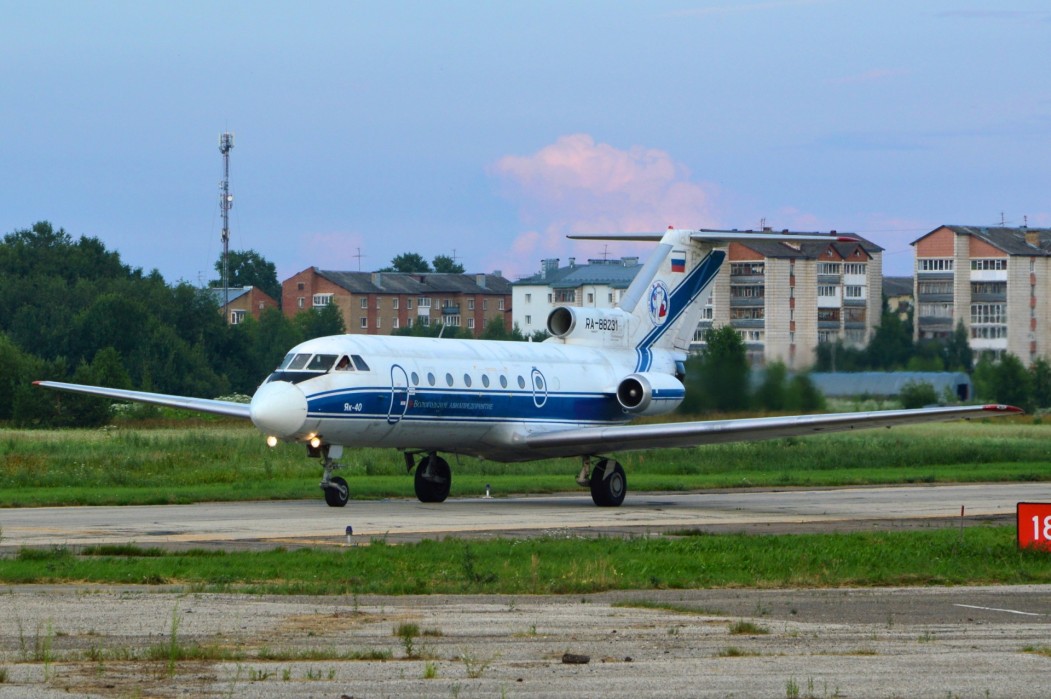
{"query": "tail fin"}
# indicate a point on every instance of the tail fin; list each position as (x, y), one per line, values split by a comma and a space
(668, 294)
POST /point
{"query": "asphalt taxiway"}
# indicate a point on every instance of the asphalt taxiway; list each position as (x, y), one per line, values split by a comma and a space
(312, 523)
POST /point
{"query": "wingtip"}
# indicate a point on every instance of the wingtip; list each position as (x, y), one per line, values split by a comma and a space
(1003, 409)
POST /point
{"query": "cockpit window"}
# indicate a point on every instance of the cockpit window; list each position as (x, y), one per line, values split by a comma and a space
(344, 364)
(298, 362)
(359, 362)
(321, 362)
(286, 360)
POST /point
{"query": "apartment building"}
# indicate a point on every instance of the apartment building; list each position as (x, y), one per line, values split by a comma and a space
(995, 280)
(784, 298)
(597, 284)
(377, 303)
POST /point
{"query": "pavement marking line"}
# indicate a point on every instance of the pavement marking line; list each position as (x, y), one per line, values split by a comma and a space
(994, 609)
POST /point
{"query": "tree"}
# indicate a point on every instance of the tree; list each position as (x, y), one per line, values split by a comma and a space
(249, 268)
(1040, 370)
(444, 263)
(917, 394)
(718, 378)
(319, 322)
(957, 351)
(771, 392)
(891, 344)
(408, 262)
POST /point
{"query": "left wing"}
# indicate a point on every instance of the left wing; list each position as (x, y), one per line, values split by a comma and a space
(201, 405)
(594, 440)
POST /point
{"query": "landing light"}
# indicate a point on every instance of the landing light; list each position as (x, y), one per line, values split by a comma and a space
(271, 441)
(315, 442)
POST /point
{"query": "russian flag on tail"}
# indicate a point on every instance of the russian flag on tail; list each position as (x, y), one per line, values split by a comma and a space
(678, 261)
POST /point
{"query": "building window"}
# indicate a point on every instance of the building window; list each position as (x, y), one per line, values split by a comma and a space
(485, 303)
(935, 264)
(996, 263)
(529, 320)
(827, 290)
(747, 269)
(379, 304)
(301, 302)
(470, 323)
(828, 315)
(364, 302)
(528, 298)
(236, 316)
(854, 314)
(300, 286)
(564, 296)
(470, 304)
(395, 324)
(988, 313)
(939, 287)
(322, 299)
(854, 268)
(423, 302)
(454, 321)
(936, 310)
(854, 292)
(828, 268)
(500, 305)
(395, 303)
(988, 332)
(549, 298)
(591, 297)
(747, 313)
(364, 322)
(379, 323)
(753, 291)
(408, 304)
(989, 288)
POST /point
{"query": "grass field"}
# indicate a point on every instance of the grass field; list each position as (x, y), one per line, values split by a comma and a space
(197, 461)
(207, 460)
(977, 555)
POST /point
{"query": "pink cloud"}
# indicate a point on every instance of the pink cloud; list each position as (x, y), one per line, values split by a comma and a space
(576, 185)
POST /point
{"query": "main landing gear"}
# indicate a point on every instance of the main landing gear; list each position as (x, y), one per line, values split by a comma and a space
(607, 481)
(433, 477)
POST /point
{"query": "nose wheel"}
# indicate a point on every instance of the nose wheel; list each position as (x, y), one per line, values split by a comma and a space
(337, 492)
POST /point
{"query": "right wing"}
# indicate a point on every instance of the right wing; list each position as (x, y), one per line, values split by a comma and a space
(595, 440)
(201, 405)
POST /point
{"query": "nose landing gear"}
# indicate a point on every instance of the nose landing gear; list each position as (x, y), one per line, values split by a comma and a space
(337, 492)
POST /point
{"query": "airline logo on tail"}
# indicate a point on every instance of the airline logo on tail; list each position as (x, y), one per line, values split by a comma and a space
(659, 300)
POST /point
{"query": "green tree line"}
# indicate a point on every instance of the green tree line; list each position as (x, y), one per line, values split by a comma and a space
(71, 310)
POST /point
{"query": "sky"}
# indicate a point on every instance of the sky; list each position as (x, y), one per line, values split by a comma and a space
(489, 131)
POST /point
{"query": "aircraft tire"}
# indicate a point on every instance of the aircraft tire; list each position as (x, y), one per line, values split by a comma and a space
(608, 491)
(337, 493)
(433, 479)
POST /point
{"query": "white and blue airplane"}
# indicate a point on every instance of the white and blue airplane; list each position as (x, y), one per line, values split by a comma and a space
(572, 395)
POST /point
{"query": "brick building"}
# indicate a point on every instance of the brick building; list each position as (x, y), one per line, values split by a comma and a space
(996, 281)
(785, 298)
(376, 303)
(244, 301)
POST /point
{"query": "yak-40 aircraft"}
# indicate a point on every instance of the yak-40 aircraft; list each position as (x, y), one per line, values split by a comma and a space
(571, 395)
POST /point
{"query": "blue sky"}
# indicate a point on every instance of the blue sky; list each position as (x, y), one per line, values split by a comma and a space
(490, 130)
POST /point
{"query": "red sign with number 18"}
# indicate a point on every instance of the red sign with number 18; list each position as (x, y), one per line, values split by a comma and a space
(1034, 525)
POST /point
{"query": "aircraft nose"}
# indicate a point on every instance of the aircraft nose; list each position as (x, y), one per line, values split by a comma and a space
(279, 408)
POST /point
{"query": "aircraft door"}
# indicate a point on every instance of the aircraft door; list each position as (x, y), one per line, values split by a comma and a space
(399, 394)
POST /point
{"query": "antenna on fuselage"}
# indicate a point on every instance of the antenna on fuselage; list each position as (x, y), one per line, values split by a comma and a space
(226, 200)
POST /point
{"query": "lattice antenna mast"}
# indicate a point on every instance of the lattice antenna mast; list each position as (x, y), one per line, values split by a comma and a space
(226, 201)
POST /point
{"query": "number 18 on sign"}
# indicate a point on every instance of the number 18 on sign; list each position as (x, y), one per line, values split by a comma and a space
(1034, 525)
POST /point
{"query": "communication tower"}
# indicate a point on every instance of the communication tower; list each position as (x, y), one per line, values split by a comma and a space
(226, 200)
